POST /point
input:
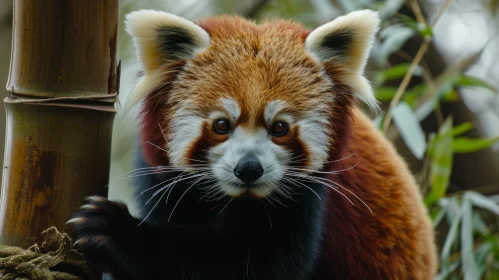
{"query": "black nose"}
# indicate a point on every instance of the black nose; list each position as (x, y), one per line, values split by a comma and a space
(249, 169)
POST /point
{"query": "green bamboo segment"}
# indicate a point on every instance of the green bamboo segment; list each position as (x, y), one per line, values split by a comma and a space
(62, 82)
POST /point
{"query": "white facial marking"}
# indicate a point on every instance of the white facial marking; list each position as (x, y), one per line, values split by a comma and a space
(231, 107)
(217, 114)
(185, 129)
(273, 109)
(313, 132)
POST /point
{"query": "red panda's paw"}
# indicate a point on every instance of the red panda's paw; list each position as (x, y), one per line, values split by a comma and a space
(101, 228)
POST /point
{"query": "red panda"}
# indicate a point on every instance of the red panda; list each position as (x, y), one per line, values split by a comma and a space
(255, 162)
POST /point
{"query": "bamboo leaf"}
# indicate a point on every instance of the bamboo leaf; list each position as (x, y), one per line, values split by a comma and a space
(378, 121)
(409, 129)
(451, 96)
(494, 198)
(469, 81)
(445, 272)
(479, 225)
(451, 239)
(481, 201)
(395, 37)
(441, 155)
(426, 108)
(462, 128)
(385, 93)
(453, 209)
(389, 7)
(470, 268)
(468, 145)
(348, 5)
(448, 84)
(480, 255)
(395, 72)
(413, 94)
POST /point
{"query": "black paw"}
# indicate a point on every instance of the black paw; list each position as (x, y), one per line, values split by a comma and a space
(102, 229)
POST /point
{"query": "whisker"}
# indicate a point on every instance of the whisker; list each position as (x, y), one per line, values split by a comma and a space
(223, 196)
(287, 189)
(169, 192)
(198, 160)
(157, 203)
(131, 171)
(166, 181)
(268, 214)
(148, 142)
(232, 151)
(334, 189)
(178, 201)
(298, 156)
(224, 161)
(226, 206)
(275, 199)
(323, 172)
(268, 153)
(338, 185)
(281, 190)
(167, 170)
(247, 265)
(163, 133)
(209, 188)
(155, 186)
(163, 188)
(354, 154)
(176, 181)
(270, 202)
(286, 179)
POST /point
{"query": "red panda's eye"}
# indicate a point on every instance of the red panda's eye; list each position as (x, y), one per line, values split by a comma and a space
(221, 126)
(279, 128)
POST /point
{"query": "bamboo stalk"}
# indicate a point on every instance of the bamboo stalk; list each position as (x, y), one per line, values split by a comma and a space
(60, 111)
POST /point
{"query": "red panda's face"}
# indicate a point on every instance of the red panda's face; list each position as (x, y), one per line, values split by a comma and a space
(255, 103)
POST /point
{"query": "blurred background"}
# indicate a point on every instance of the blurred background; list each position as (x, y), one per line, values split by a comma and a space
(435, 69)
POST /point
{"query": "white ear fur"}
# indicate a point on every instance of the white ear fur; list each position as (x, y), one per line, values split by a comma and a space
(160, 37)
(347, 41)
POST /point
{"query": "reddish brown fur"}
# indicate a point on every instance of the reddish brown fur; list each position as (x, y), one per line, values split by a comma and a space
(154, 110)
(394, 241)
(255, 64)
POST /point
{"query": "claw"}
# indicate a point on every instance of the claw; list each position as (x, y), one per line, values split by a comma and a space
(75, 220)
(96, 198)
(88, 206)
(80, 242)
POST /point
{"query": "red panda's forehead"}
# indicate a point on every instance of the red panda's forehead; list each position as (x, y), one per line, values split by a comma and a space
(254, 65)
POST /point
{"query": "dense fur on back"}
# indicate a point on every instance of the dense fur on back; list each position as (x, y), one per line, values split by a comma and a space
(333, 200)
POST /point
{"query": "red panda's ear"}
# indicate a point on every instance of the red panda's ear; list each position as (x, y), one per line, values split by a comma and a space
(347, 41)
(161, 37)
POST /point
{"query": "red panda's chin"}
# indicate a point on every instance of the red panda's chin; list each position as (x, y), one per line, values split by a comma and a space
(256, 192)
(248, 194)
